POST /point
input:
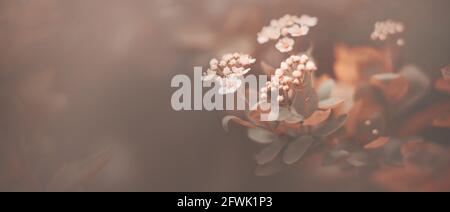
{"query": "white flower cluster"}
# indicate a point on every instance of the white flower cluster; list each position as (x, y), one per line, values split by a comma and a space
(288, 76)
(284, 29)
(228, 71)
(384, 29)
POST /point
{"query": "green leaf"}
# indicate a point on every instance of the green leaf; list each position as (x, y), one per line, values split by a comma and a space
(284, 114)
(270, 168)
(261, 135)
(270, 153)
(325, 89)
(306, 102)
(358, 159)
(333, 156)
(331, 126)
(296, 149)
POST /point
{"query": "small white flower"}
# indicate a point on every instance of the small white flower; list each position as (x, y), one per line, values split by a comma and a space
(311, 66)
(238, 72)
(304, 58)
(227, 57)
(284, 66)
(227, 71)
(209, 75)
(306, 20)
(285, 45)
(263, 38)
(297, 31)
(279, 72)
(214, 62)
(246, 60)
(229, 85)
(296, 74)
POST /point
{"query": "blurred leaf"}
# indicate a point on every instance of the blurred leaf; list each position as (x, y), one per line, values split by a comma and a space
(386, 77)
(261, 135)
(270, 168)
(391, 152)
(334, 156)
(325, 89)
(443, 85)
(284, 114)
(270, 153)
(367, 106)
(74, 174)
(417, 122)
(443, 121)
(394, 86)
(294, 119)
(331, 103)
(424, 154)
(378, 143)
(331, 126)
(352, 63)
(296, 149)
(419, 85)
(317, 117)
(267, 69)
(355, 162)
(306, 102)
(358, 159)
(227, 119)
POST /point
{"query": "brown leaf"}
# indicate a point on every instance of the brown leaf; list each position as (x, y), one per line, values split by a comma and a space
(378, 143)
(419, 121)
(331, 103)
(317, 117)
(363, 109)
(351, 62)
(394, 87)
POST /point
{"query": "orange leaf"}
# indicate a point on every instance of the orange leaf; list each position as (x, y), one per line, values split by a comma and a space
(317, 117)
(378, 143)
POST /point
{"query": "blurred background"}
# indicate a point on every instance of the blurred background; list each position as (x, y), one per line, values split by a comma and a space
(85, 88)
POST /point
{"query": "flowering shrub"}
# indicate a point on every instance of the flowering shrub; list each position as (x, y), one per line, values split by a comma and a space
(312, 110)
(306, 116)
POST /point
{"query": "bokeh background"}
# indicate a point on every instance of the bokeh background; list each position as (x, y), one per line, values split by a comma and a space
(85, 88)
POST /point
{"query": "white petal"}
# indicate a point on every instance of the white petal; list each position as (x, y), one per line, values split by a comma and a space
(285, 45)
(210, 75)
(308, 21)
(297, 31)
(229, 85)
(262, 38)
